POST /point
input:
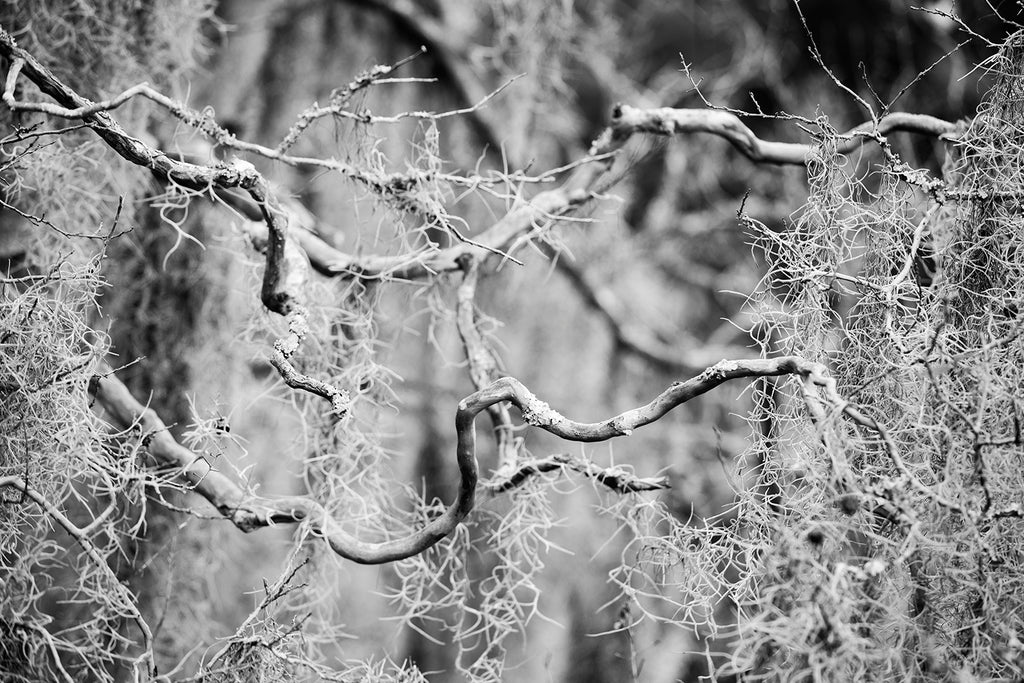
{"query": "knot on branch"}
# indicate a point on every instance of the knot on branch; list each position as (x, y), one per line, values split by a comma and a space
(255, 513)
(246, 175)
(719, 371)
(619, 424)
(537, 413)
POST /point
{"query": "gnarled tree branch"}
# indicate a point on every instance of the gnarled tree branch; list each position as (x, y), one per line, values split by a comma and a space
(627, 120)
(502, 237)
(249, 512)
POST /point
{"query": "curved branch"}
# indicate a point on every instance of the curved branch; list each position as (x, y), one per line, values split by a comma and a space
(286, 347)
(627, 120)
(191, 176)
(278, 275)
(484, 369)
(540, 414)
(249, 512)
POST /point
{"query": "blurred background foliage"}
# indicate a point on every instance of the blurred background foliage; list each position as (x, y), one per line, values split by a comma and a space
(181, 314)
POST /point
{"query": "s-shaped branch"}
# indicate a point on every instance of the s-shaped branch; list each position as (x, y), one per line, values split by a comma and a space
(249, 512)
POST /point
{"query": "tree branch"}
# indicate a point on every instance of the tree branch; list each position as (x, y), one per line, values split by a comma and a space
(502, 237)
(505, 236)
(615, 478)
(249, 512)
(484, 369)
(285, 271)
(627, 120)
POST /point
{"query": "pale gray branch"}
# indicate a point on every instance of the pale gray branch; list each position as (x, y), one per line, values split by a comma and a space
(627, 120)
